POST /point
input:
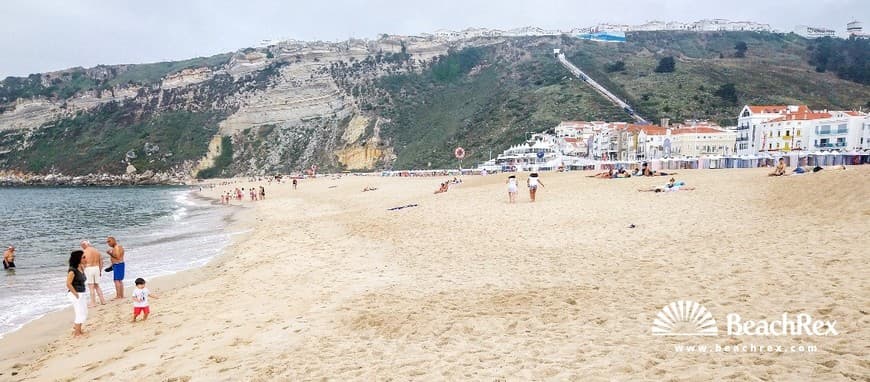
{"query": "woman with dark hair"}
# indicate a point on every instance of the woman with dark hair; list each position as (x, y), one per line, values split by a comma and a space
(533, 182)
(512, 189)
(75, 283)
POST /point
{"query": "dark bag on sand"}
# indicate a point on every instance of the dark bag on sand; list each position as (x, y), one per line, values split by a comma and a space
(109, 269)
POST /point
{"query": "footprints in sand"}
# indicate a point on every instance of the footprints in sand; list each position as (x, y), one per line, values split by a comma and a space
(184, 378)
(240, 341)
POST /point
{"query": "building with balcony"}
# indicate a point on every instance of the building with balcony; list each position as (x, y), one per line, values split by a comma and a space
(797, 128)
(748, 132)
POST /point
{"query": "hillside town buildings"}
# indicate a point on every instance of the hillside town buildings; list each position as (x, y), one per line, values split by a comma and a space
(627, 141)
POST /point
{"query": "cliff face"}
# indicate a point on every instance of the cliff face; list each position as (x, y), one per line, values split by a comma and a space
(285, 107)
(396, 101)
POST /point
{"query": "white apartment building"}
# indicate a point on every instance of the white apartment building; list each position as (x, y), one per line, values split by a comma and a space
(748, 132)
(790, 128)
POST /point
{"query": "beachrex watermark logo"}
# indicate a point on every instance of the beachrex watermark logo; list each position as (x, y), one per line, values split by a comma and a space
(684, 318)
(688, 318)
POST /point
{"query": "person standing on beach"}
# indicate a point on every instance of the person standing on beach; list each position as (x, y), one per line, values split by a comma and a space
(116, 252)
(92, 262)
(512, 189)
(75, 284)
(9, 258)
(294, 183)
(533, 182)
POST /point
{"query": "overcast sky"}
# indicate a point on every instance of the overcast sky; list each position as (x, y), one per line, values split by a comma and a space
(43, 35)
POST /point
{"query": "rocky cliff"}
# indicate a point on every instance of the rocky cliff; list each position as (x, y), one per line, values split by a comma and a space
(286, 107)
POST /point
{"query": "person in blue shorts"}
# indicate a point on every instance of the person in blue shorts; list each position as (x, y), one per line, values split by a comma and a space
(116, 252)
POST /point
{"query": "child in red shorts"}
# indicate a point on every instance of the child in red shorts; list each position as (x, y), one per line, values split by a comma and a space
(140, 299)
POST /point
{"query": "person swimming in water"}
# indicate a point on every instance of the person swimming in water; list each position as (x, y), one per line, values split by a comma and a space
(9, 258)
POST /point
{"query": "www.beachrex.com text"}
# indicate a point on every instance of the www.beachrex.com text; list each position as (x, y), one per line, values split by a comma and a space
(751, 348)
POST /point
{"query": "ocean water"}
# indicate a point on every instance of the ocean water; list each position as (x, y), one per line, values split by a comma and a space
(163, 230)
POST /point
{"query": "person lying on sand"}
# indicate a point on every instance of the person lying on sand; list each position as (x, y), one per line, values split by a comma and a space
(444, 187)
(369, 188)
(646, 171)
(610, 174)
(672, 186)
(603, 175)
(665, 189)
(674, 183)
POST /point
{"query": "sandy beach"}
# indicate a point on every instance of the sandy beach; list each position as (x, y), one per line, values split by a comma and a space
(324, 283)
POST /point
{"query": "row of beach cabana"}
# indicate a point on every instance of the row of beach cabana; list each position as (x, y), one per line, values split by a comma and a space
(792, 159)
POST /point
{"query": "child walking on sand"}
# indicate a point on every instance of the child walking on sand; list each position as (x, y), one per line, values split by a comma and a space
(140, 300)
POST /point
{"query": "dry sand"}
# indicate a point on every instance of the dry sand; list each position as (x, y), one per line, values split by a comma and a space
(328, 284)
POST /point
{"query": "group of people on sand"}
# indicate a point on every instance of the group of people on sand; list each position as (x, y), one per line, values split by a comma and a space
(780, 169)
(621, 172)
(255, 193)
(84, 273)
(532, 182)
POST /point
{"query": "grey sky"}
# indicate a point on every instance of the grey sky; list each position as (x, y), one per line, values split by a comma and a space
(44, 35)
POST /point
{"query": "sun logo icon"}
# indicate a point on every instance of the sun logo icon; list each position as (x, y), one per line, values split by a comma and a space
(684, 318)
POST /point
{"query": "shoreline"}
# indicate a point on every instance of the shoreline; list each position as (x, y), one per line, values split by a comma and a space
(164, 225)
(41, 331)
(325, 282)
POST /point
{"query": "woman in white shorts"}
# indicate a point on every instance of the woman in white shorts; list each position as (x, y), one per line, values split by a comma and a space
(533, 182)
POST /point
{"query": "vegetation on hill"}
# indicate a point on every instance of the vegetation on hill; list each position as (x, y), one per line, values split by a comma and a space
(99, 141)
(144, 74)
(482, 99)
(67, 83)
(849, 59)
(775, 69)
(222, 163)
(666, 65)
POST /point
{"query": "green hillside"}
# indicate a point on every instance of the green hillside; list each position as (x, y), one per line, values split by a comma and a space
(775, 70)
(490, 97)
(483, 99)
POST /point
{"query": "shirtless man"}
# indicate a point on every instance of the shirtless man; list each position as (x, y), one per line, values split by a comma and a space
(93, 263)
(9, 258)
(116, 252)
(780, 168)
